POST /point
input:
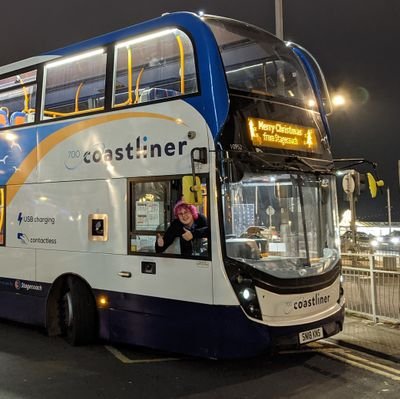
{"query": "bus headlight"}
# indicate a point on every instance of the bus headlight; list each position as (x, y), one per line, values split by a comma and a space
(244, 287)
(248, 294)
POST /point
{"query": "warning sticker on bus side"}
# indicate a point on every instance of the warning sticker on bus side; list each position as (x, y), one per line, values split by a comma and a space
(311, 335)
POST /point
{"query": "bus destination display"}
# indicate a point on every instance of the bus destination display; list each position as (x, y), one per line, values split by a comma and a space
(275, 134)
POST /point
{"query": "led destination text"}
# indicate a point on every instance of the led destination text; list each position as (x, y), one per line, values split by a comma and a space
(275, 134)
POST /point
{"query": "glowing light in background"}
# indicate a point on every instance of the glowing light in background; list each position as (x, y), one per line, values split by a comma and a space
(338, 100)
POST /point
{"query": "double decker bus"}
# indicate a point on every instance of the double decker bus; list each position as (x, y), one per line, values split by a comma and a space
(98, 142)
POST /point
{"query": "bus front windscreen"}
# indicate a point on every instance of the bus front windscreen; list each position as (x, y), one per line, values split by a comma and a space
(282, 224)
(257, 62)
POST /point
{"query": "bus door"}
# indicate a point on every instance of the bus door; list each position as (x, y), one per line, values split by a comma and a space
(172, 273)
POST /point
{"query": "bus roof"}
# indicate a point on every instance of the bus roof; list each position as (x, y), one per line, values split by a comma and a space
(179, 19)
(215, 111)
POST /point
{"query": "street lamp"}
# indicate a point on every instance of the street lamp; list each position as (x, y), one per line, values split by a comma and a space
(338, 100)
(279, 19)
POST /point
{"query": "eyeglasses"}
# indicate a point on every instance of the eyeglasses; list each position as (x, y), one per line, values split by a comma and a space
(183, 213)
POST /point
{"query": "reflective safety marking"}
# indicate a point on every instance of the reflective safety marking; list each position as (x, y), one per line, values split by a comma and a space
(364, 364)
(336, 352)
(124, 359)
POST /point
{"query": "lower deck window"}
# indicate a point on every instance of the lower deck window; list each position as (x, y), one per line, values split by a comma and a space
(152, 216)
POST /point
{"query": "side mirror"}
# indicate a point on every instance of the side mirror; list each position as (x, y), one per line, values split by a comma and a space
(374, 184)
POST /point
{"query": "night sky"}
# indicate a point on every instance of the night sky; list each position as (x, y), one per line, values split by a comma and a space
(356, 43)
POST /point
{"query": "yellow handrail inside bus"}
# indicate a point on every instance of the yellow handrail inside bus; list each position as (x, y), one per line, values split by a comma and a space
(182, 62)
(76, 111)
(129, 100)
(26, 94)
(78, 91)
(26, 99)
(84, 111)
(130, 80)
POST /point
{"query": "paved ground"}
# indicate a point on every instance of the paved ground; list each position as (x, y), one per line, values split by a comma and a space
(382, 339)
(34, 366)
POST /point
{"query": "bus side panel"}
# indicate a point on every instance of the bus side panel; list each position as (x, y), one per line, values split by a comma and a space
(55, 216)
(17, 263)
(175, 279)
(150, 140)
(17, 155)
(183, 327)
(23, 301)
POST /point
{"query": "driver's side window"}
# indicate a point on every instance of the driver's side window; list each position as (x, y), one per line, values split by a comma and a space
(151, 214)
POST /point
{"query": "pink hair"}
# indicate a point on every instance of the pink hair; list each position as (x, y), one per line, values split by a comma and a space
(183, 205)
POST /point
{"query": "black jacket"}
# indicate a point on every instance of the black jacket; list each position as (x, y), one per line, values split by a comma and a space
(199, 229)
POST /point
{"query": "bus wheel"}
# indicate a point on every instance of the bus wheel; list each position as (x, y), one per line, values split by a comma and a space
(77, 313)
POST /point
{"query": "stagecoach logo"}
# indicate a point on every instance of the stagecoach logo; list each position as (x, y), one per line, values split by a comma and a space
(142, 149)
(20, 285)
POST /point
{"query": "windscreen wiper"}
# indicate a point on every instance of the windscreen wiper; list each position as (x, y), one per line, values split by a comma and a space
(264, 162)
(302, 160)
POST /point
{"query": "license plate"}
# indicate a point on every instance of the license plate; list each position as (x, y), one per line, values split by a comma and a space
(311, 335)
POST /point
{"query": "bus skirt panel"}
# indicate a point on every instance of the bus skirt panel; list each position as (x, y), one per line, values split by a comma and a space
(211, 331)
(23, 301)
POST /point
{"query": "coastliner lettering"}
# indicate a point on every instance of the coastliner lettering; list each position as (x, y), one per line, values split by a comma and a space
(141, 150)
(316, 300)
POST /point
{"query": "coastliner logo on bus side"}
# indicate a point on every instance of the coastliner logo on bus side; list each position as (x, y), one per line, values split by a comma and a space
(141, 149)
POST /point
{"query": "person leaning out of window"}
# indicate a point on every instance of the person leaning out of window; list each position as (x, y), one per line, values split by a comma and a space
(188, 225)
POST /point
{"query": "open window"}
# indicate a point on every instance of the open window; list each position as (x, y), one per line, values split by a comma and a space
(151, 206)
(2, 215)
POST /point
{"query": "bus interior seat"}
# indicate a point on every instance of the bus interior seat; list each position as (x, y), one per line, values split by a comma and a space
(3, 117)
(157, 93)
(18, 118)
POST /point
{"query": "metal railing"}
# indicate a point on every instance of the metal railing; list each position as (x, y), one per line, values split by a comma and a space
(372, 285)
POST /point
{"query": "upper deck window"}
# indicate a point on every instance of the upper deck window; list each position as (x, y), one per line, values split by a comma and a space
(75, 85)
(257, 62)
(154, 66)
(17, 99)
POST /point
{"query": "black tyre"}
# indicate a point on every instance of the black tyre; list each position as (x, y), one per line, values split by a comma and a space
(77, 313)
